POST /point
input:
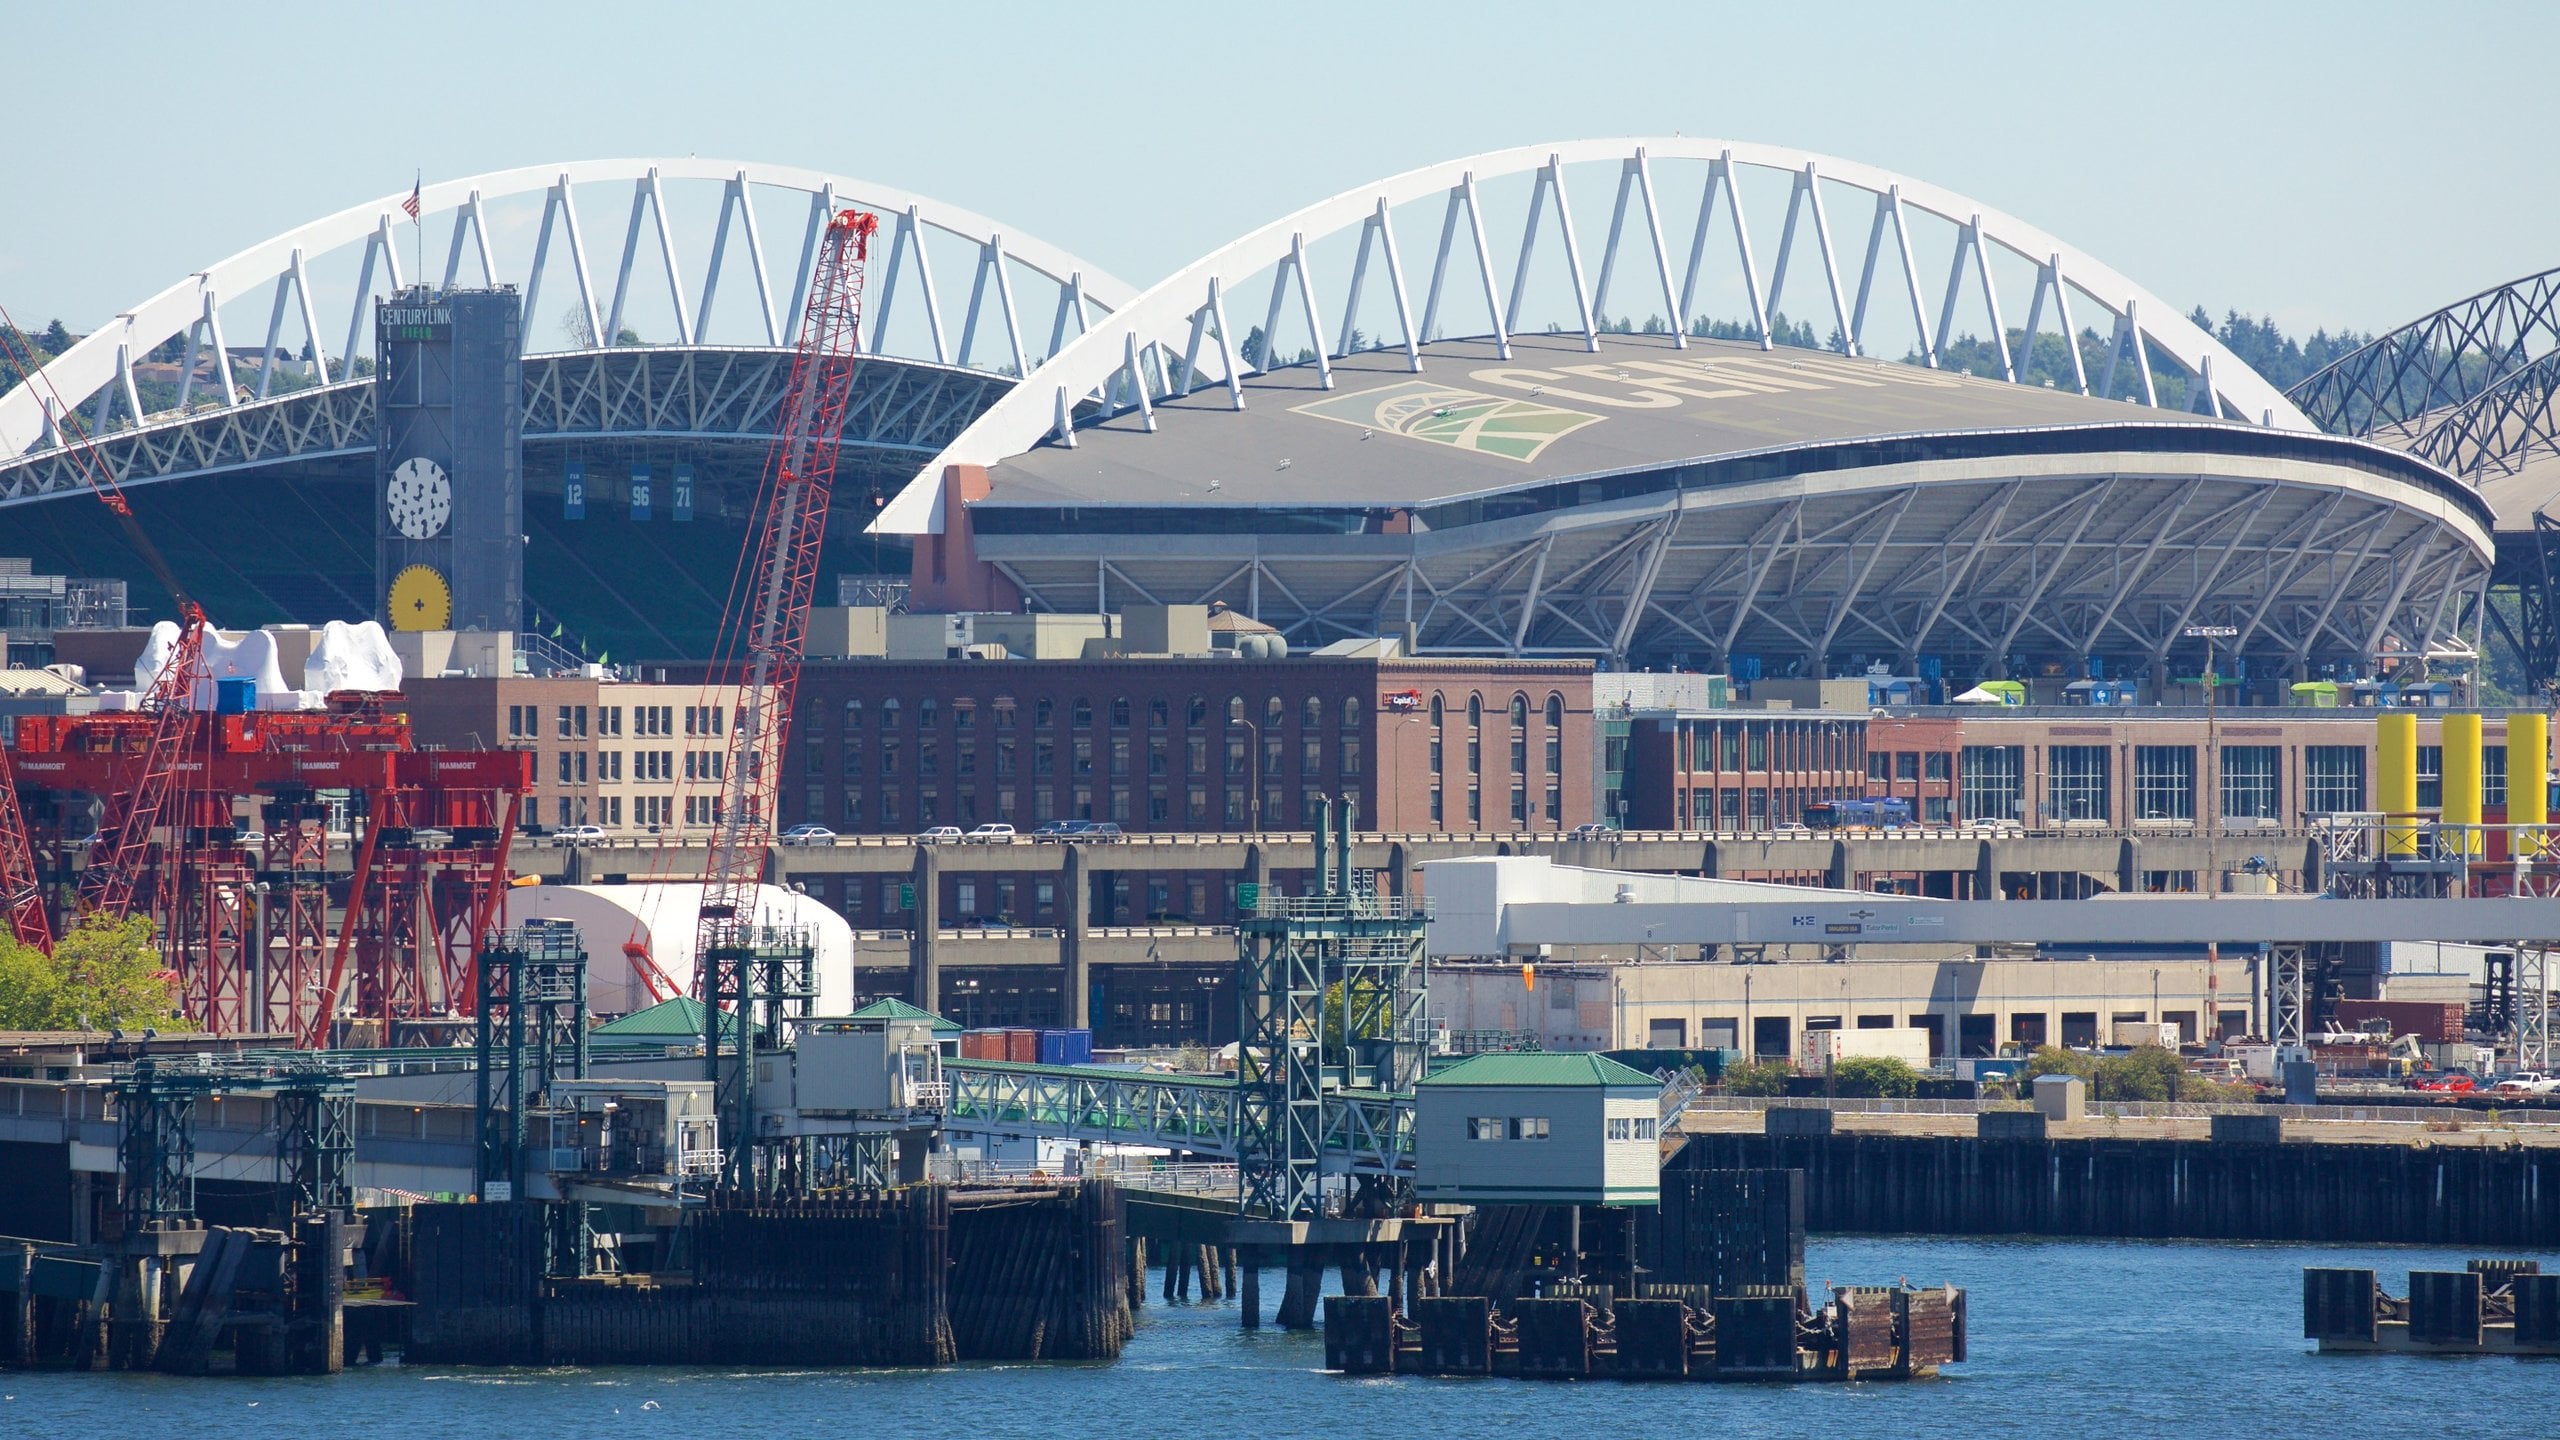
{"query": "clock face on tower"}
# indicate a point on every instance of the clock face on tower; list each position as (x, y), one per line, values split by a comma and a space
(420, 497)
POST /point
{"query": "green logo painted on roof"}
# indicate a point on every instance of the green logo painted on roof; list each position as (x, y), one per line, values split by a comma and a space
(1466, 419)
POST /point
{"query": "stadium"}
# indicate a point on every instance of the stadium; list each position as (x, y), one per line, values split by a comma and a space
(1979, 450)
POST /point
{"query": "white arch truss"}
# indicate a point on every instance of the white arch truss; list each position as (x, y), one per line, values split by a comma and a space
(382, 250)
(1130, 361)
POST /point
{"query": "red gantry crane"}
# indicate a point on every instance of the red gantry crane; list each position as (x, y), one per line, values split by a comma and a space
(767, 621)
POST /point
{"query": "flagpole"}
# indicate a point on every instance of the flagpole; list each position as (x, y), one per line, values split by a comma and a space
(418, 222)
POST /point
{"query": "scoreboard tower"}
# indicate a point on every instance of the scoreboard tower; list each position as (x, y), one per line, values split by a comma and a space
(449, 476)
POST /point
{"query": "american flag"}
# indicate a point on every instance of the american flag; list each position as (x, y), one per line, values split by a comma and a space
(411, 204)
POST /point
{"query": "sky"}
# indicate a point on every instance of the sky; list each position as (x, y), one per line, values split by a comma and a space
(2329, 165)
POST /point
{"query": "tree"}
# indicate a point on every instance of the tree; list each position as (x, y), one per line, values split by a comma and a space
(1874, 1077)
(56, 338)
(1756, 1077)
(104, 975)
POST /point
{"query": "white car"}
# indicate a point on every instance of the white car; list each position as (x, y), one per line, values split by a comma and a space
(571, 836)
(939, 835)
(808, 835)
(2528, 1082)
(993, 834)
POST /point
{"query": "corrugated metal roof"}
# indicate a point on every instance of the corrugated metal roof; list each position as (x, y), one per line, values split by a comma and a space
(38, 682)
(1542, 1069)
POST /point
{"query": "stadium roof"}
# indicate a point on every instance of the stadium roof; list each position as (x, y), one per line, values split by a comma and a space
(2532, 487)
(1473, 423)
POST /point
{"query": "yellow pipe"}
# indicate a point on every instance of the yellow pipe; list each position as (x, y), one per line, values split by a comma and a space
(2462, 778)
(2395, 744)
(2528, 790)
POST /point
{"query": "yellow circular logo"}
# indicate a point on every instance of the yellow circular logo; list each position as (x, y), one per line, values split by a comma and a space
(421, 600)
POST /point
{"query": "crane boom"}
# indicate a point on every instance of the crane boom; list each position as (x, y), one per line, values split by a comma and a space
(21, 886)
(768, 619)
(123, 844)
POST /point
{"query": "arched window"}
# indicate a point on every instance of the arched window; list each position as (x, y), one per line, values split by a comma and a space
(1159, 713)
(1274, 714)
(889, 713)
(1555, 710)
(1198, 711)
(1439, 716)
(853, 714)
(1311, 712)
(1083, 712)
(1235, 709)
(928, 711)
(1004, 712)
(1350, 711)
(1519, 711)
(1120, 712)
(1475, 710)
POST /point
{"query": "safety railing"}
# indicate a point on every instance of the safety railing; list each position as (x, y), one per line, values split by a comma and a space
(2377, 1114)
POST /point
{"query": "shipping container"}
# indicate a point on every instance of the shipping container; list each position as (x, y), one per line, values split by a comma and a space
(1022, 1047)
(981, 1044)
(1906, 1044)
(1066, 1047)
(2433, 1022)
(2134, 1034)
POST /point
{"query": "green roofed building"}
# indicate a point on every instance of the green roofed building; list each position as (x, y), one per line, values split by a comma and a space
(669, 1022)
(1538, 1129)
(892, 1008)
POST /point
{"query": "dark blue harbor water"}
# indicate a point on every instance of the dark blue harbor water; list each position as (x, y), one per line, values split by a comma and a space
(2069, 1338)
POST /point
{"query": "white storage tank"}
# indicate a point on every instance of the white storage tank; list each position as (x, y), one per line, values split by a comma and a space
(659, 920)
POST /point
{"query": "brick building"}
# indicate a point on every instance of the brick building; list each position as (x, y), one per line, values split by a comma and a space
(1737, 771)
(2146, 767)
(1191, 744)
(633, 757)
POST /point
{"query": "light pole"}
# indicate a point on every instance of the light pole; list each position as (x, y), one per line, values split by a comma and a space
(2211, 1030)
(1255, 800)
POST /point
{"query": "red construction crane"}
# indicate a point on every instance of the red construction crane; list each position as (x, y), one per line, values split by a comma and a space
(122, 850)
(768, 614)
(21, 887)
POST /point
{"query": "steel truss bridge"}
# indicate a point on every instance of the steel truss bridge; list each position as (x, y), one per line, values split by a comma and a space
(1366, 1132)
(2470, 387)
(711, 369)
(2475, 388)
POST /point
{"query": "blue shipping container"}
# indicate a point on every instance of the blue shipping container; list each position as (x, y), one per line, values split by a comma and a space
(1066, 1047)
(235, 695)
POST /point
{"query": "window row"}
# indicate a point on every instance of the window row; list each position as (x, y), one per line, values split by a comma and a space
(1079, 712)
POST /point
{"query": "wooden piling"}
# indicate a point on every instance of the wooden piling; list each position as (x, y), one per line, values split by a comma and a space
(18, 1325)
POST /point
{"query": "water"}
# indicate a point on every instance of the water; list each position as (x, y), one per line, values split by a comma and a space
(2099, 1339)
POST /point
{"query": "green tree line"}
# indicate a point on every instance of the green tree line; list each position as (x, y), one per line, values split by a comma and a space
(104, 975)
